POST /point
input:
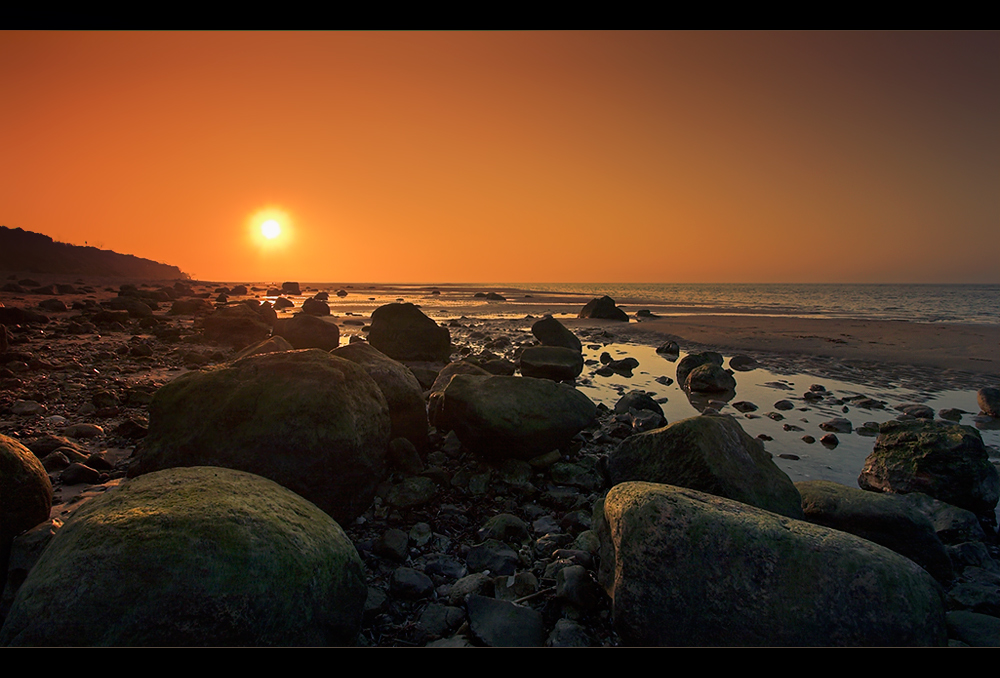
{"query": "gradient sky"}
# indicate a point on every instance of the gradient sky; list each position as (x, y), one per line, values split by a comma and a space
(512, 157)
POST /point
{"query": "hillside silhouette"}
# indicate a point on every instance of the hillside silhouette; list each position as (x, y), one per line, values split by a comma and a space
(22, 250)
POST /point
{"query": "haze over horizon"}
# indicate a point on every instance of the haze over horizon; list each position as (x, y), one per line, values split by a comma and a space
(512, 156)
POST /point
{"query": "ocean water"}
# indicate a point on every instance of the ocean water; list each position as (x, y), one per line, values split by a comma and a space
(979, 304)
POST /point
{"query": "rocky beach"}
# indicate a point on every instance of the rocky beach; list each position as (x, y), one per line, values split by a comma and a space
(286, 463)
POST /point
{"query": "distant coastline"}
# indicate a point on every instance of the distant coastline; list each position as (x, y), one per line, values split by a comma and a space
(34, 253)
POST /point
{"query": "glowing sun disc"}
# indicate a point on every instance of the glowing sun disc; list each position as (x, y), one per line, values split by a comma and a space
(270, 229)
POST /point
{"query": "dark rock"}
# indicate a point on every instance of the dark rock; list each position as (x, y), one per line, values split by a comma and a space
(603, 308)
(711, 454)
(315, 307)
(498, 623)
(290, 288)
(282, 302)
(989, 400)
(188, 557)
(946, 461)
(693, 360)
(889, 520)
(742, 363)
(306, 331)
(77, 474)
(521, 418)
(236, 325)
(403, 332)
(551, 362)
(25, 494)
(401, 389)
(551, 332)
(691, 569)
(313, 422)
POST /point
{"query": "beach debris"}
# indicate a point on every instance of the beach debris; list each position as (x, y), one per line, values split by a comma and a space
(603, 308)
(661, 601)
(404, 332)
(710, 453)
(147, 585)
(946, 461)
(259, 415)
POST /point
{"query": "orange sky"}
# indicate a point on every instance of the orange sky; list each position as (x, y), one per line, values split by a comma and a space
(512, 157)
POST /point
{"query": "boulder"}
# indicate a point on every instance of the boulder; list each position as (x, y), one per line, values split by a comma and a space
(273, 344)
(889, 520)
(435, 397)
(236, 325)
(192, 306)
(25, 495)
(193, 557)
(315, 307)
(687, 568)
(693, 360)
(551, 362)
(946, 461)
(407, 409)
(989, 401)
(313, 422)
(603, 308)
(306, 331)
(709, 378)
(290, 288)
(551, 332)
(403, 332)
(512, 417)
(709, 453)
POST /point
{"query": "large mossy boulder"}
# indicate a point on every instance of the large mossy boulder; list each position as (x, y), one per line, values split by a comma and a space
(407, 409)
(25, 495)
(687, 568)
(193, 557)
(403, 332)
(889, 520)
(313, 422)
(512, 417)
(710, 453)
(946, 461)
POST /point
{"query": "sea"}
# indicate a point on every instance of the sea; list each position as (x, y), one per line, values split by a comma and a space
(925, 303)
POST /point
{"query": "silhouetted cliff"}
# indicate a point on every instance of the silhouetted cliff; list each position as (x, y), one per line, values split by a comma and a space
(36, 253)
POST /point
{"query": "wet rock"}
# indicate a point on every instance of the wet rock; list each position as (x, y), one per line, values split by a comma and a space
(150, 586)
(283, 303)
(742, 363)
(784, 405)
(290, 288)
(830, 440)
(315, 307)
(711, 454)
(837, 425)
(745, 406)
(669, 348)
(915, 410)
(308, 420)
(403, 332)
(989, 401)
(551, 332)
(669, 566)
(603, 308)
(551, 362)
(25, 494)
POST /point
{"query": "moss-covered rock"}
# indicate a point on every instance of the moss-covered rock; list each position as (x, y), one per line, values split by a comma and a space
(946, 461)
(709, 453)
(310, 421)
(688, 568)
(25, 495)
(193, 556)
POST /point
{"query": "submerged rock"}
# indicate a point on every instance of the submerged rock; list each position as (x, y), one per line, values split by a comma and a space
(193, 557)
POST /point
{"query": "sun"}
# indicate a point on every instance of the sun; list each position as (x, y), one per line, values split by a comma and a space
(270, 229)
